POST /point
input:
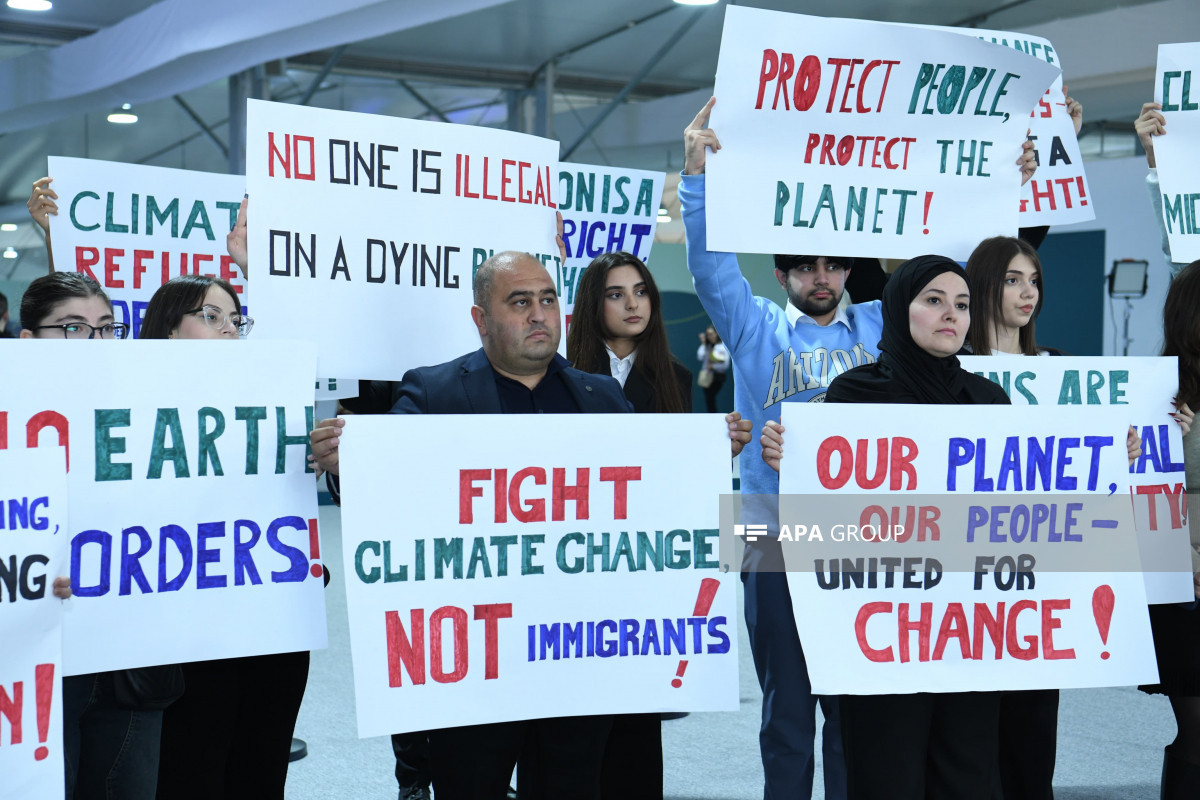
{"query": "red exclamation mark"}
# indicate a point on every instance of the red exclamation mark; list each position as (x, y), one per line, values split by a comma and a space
(925, 218)
(1082, 191)
(43, 676)
(704, 601)
(1102, 609)
(314, 549)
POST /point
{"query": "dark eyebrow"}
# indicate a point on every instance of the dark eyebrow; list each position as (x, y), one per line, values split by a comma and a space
(78, 318)
(638, 285)
(513, 295)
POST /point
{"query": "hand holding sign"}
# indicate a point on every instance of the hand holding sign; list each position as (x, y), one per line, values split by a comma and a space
(698, 138)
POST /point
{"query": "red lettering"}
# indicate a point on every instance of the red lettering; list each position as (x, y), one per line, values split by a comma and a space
(804, 88)
(85, 259)
(860, 632)
(1049, 624)
(770, 67)
(994, 625)
(525, 197)
(458, 626)
(491, 614)
(139, 266)
(845, 464)
(954, 626)
(533, 510)
(467, 491)
(922, 626)
(402, 651)
(111, 281)
(860, 464)
(904, 450)
(1028, 652)
(197, 258)
(620, 477)
(505, 180)
(563, 493)
(787, 64)
(11, 707)
(486, 196)
(49, 419)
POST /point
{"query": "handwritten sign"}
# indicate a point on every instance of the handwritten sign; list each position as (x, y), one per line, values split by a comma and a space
(191, 506)
(1058, 193)
(1175, 153)
(33, 540)
(366, 230)
(133, 228)
(1146, 386)
(865, 139)
(543, 572)
(1018, 565)
(604, 209)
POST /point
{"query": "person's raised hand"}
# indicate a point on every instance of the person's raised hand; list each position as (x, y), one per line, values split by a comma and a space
(1027, 162)
(696, 138)
(62, 587)
(235, 240)
(324, 440)
(740, 431)
(1075, 109)
(1183, 415)
(558, 238)
(1150, 123)
(772, 444)
(1133, 445)
(41, 203)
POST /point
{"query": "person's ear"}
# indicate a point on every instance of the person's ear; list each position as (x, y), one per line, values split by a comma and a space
(479, 316)
(25, 334)
(781, 276)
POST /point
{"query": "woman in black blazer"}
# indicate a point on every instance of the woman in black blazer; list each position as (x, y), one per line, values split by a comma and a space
(617, 329)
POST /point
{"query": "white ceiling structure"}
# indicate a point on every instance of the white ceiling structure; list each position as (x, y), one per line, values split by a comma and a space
(479, 62)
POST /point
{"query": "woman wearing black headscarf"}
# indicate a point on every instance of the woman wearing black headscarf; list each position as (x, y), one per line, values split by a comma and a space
(926, 745)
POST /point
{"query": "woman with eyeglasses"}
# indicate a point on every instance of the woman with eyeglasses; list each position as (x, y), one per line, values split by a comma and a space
(230, 734)
(110, 740)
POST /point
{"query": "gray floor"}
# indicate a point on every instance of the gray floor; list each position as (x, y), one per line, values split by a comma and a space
(1109, 745)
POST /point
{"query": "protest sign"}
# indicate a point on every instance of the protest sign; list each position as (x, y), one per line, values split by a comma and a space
(33, 540)
(1058, 193)
(864, 138)
(133, 228)
(1147, 386)
(1001, 552)
(1175, 152)
(365, 231)
(193, 529)
(543, 571)
(604, 209)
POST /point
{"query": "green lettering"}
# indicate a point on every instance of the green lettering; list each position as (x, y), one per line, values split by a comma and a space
(155, 214)
(366, 576)
(198, 218)
(448, 553)
(206, 450)
(252, 415)
(283, 441)
(75, 203)
(107, 445)
(166, 420)
(1069, 394)
(479, 557)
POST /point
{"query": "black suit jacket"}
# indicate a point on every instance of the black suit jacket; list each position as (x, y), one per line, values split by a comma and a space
(640, 392)
(467, 385)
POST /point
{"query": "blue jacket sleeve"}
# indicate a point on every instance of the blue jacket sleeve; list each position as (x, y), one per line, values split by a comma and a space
(723, 290)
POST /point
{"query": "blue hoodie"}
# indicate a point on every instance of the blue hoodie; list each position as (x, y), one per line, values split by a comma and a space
(778, 355)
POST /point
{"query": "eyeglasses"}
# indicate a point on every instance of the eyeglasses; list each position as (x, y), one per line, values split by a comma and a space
(217, 319)
(81, 330)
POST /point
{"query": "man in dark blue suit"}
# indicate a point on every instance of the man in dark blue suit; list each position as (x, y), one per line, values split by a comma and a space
(517, 371)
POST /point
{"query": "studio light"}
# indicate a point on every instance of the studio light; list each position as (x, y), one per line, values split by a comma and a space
(123, 115)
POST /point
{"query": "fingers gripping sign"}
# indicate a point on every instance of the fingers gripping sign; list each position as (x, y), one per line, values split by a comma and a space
(324, 439)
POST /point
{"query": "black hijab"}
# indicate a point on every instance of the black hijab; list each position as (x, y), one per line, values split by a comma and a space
(905, 373)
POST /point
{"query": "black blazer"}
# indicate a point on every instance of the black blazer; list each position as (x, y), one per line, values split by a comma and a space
(640, 392)
(467, 385)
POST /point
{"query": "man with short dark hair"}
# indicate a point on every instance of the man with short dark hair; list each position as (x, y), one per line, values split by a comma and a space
(517, 371)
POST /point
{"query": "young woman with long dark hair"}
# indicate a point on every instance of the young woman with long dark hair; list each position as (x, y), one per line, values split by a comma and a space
(230, 734)
(1177, 627)
(617, 330)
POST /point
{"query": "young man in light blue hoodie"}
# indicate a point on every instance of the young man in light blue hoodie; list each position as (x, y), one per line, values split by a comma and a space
(779, 355)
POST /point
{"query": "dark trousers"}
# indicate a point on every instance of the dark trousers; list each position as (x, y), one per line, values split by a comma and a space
(921, 746)
(475, 762)
(109, 751)
(712, 390)
(1028, 744)
(789, 707)
(633, 760)
(230, 734)
(412, 760)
